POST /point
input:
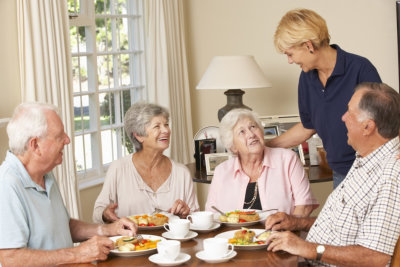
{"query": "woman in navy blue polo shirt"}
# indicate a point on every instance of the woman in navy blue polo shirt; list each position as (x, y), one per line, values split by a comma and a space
(329, 75)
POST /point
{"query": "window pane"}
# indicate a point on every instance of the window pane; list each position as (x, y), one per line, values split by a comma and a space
(102, 6)
(79, 153)
(109, 148)
(81, 113)
(83, 153)
(105, 72)
(75, 75)
(78, 114)
(78, 39)
(107, 113)
(122, 27)
(103, 35)
(79, 74)
(124, 74)
(121, 7)
(73, 6)
(127, 103)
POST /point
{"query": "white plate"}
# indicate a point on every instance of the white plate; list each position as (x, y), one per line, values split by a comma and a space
(135, 253)
(210, 132)
(263, 216)
(189, 236)
(169, 215)
(202, 256)
(231, 234)
(157, 259)
(201, 230)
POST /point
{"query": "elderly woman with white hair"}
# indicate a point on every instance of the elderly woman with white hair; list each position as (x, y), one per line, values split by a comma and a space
(147, 179)
(257, 177)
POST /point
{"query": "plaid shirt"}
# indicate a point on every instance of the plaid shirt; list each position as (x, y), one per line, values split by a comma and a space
(365, 208)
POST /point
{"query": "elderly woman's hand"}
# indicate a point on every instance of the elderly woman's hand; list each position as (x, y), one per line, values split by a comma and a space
(180, 208)
(109, 213)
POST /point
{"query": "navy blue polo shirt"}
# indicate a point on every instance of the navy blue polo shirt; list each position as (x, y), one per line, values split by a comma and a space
(322, 108)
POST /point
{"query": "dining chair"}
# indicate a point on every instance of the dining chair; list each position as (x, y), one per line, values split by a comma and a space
(396, 255)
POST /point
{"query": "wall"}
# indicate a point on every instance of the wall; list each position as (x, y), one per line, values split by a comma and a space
(242, 27)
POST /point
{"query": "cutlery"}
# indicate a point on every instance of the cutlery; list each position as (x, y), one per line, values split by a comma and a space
(138, 237)
(261, 211)
(157, 210)
(215, 208)
(266, 231)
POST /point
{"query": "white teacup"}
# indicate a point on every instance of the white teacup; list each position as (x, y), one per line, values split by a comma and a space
(202, 219)
(178, 228)
(169, 249)
(217, 247)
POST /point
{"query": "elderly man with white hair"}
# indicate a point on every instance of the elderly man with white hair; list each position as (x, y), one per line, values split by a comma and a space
(360, 222)
(35, 228)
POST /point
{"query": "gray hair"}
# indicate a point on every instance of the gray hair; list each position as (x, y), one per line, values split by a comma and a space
(229, 121)
(381, 103)
(28, 121)
(138, 117)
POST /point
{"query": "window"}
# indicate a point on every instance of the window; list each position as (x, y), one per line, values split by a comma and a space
(108, 62)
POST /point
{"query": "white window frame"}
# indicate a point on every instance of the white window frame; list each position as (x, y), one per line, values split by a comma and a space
(86, 17)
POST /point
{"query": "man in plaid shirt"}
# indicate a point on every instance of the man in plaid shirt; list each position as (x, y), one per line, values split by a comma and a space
(360, 222)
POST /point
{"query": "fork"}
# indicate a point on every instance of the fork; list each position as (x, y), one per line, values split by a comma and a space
(157, 210)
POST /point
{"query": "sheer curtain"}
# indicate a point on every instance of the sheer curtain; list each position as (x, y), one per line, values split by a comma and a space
(44, 61)
(167, 73)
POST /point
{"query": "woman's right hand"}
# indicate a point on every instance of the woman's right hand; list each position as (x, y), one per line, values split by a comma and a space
(109, 215)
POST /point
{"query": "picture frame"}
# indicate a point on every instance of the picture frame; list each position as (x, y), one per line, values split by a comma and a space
(271, 131)
(213, 160)
(300, 153)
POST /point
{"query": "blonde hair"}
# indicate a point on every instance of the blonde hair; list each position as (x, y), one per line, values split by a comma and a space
(299, 26)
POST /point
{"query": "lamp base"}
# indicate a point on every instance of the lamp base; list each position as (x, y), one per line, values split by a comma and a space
(234, 100)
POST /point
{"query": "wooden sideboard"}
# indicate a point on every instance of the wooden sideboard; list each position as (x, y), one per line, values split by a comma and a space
(316, 174)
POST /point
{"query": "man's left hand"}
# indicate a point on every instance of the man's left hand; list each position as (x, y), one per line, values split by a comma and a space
(180, 208)
(289, 242)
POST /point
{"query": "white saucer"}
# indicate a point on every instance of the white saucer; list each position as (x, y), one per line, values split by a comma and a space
(202, 230)
(182, 258)
(202, 256)
(188, 236)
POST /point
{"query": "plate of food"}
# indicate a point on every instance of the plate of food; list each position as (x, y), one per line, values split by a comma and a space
(126, 246)
(240, 218)
(246, 239)
(152, 221)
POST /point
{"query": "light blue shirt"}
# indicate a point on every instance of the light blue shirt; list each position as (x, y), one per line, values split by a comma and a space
(30, 216)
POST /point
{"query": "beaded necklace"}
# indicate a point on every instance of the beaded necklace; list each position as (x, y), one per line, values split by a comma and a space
(253, 200)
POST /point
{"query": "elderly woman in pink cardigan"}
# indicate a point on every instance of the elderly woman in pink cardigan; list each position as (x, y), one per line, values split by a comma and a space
(257, 177)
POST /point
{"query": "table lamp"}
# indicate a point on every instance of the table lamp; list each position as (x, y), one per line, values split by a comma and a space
(233, 73)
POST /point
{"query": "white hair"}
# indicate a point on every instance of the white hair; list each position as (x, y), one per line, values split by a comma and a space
(229, 121)
(28, 121)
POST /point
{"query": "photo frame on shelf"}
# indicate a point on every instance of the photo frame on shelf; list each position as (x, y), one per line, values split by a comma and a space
(213, 160)
(299, 151)
(271, 131)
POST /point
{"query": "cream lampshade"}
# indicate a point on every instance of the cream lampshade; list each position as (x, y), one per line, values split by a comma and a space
(233, 73)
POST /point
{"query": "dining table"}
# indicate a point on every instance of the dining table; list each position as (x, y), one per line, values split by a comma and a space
(258, 257)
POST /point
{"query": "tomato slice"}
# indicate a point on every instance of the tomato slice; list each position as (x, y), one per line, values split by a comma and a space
(142, 224)
(242, 221)
(151, 224)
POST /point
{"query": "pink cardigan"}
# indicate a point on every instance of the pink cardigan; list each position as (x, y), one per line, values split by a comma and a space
(283, 183)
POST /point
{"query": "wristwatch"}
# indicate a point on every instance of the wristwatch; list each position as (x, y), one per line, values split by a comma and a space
(320, 251)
